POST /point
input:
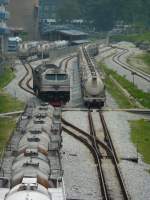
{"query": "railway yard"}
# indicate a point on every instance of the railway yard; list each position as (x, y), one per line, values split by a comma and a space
(93, 157)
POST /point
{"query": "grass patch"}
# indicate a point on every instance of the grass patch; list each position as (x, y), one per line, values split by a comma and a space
(140, 135)
(7, 102)
(121, 100)
(6, 127)
(6, 77)
(141, 62)
(142, 97)
(132, 37)
(146, 59)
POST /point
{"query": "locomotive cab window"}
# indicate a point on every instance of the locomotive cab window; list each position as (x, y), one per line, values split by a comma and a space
(51, 77)
(61, 77)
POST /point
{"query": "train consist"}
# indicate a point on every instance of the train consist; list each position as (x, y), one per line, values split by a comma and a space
(27, 49)
(36, 171)
(41, 49)
(93, 50)
(52, 84)
(93, 88)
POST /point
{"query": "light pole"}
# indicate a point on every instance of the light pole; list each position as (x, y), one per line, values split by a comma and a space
(133, 73)
(137, 152)
(108, 38)
(42, 52)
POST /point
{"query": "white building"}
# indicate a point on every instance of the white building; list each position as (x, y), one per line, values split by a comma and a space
(3, 27)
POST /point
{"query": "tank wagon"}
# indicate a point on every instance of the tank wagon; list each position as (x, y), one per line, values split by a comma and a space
(61, 44)
(44, 49)
(93, 88)
(93, 50)
(41, 49)
(27, 49)
(23, 51)
(36, 168)
(52, 84)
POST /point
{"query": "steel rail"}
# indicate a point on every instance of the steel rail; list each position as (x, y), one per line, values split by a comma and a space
(110, 153)
(86, 135)
(94, 153)
(137, 72)
(28, 88)
(114, 157)
(64, 60)
(107, 136)
(104, 188)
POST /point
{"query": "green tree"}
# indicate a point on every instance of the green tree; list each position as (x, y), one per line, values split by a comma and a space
(68, 10)
(104, 13)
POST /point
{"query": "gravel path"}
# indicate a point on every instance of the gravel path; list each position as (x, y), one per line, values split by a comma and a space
(110, 102)
(80, 171)
(13, 87)
(80, 175)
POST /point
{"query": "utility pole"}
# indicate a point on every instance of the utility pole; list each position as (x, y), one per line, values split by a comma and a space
(133, 73)
(108, 39)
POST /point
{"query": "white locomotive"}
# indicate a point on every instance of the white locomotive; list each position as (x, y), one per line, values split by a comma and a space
(51, 83)
(93, 88)
(36, 171)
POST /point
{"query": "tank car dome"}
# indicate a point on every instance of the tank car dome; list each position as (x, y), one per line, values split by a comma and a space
(94, 87)
(28, 195)
(43, 165)
(28, 190)
(26, 170)
(41, 141)
(31, 153)
(47, 109)
(45, 125)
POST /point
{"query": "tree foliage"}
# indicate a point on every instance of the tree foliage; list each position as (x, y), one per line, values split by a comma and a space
(69, 10)
(104, 13)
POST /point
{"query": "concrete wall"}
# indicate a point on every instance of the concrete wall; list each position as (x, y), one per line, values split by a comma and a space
(22, 15)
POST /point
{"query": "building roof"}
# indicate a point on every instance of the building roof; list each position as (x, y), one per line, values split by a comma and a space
(79, 41)
(72, 32)
(14, 39)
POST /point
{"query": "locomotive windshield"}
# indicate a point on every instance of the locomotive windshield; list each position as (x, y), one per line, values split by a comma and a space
(53, 77)
(61, 77)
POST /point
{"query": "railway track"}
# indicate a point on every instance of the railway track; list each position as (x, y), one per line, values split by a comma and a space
(101, 146)
(61, 63)
(24, 83)
(64, 62)
(98, 159)
(117, 59)
(105, 50)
